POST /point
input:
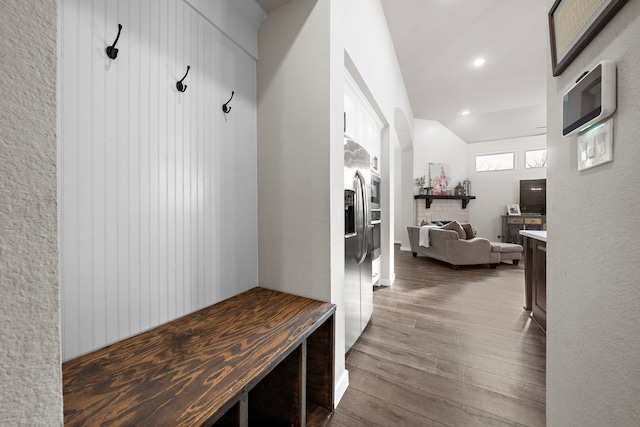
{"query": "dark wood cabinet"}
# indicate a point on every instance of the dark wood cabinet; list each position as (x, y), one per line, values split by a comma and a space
(535, 254)
(512, 224)
(539, 285)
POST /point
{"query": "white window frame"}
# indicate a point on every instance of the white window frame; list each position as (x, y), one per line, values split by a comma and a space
(526, 162)
(498, 168)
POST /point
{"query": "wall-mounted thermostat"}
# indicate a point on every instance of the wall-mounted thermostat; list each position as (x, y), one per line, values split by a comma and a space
(591, 100)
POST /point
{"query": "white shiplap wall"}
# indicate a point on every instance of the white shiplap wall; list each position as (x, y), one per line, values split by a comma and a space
(157, 189)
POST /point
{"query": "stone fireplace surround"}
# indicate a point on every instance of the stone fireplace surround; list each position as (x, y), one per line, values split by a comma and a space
(440, 210)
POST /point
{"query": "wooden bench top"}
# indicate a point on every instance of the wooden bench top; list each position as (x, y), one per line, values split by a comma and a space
(187, 371)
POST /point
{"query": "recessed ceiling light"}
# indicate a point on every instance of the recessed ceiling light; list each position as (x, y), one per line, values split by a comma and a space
(478, 62)
(465, 112)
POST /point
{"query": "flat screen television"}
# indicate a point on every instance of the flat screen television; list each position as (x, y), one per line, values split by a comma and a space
(533, 196)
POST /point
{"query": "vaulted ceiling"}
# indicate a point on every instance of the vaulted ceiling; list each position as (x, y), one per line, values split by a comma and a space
(437, 42)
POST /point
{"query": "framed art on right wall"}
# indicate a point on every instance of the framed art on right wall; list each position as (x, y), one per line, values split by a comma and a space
(513, 209)
(572, 26)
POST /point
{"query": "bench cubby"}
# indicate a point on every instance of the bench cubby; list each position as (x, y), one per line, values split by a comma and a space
(259, 358)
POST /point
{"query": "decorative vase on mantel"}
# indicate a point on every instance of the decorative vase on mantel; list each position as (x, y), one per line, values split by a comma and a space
(459, 191)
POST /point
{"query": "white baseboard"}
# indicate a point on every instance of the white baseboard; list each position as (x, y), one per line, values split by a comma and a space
(405, 248)
(389, 281)
(397, 242)
(341, 387)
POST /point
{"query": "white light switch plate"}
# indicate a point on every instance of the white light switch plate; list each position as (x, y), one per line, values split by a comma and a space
(595, 146)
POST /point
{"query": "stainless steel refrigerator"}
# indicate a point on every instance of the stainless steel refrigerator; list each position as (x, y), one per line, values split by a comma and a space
(358, 288)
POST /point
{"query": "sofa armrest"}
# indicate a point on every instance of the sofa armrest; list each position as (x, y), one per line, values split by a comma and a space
(414, 236)
(438, 238)
(472, 251)
(476, 242)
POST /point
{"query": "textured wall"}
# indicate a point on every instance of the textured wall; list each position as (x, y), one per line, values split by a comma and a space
(30, 377)
(593, 344)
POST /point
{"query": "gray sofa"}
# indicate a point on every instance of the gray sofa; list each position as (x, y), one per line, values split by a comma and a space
(448, 246)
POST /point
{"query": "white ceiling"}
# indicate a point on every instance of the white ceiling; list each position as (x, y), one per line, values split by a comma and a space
(436, 42)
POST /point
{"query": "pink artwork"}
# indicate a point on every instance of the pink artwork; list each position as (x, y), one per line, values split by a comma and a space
(439, 173)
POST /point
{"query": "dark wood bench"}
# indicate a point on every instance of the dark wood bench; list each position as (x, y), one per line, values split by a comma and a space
(262, 357)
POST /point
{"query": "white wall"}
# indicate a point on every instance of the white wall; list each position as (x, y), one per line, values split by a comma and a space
(495, 189)
(370, 49)
(300, 237)
(398, 226)
(389, 140)
(238, 19)
(293, 149)
(434, 143)
(30, 375)
(407, 213)
(593, 344)
(158, 197)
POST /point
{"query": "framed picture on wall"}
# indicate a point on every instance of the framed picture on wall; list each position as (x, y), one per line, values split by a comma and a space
(439, 174)
(513, 209)
(572, 26)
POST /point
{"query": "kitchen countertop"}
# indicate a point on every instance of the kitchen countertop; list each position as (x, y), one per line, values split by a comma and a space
(535, 234)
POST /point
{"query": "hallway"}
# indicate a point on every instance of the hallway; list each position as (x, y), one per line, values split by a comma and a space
(447, 347)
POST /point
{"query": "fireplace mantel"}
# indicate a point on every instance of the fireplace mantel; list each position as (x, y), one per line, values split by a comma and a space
(429, 198)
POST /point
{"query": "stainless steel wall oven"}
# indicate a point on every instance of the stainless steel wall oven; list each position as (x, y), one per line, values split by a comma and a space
(375, 190)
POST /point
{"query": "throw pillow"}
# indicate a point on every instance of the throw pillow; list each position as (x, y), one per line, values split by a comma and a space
(455, 226)
(468, 229)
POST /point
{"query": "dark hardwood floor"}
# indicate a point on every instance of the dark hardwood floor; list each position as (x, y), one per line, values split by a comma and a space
(447, 347)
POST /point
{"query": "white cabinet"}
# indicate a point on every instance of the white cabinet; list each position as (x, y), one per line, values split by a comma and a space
(361, 126)
(375, 271)
(376, 149)
(361, 123)
(374, 145)
(349, 115)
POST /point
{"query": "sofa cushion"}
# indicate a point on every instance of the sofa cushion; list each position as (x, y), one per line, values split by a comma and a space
(468, 229)
(455, 226)
(505, 247)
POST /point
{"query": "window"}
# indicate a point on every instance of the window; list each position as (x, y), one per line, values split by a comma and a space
(535, 159)
(495, 162)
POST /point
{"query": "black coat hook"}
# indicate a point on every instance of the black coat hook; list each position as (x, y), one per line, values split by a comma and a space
(179, 85)
(225, 106)
(112, 52)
